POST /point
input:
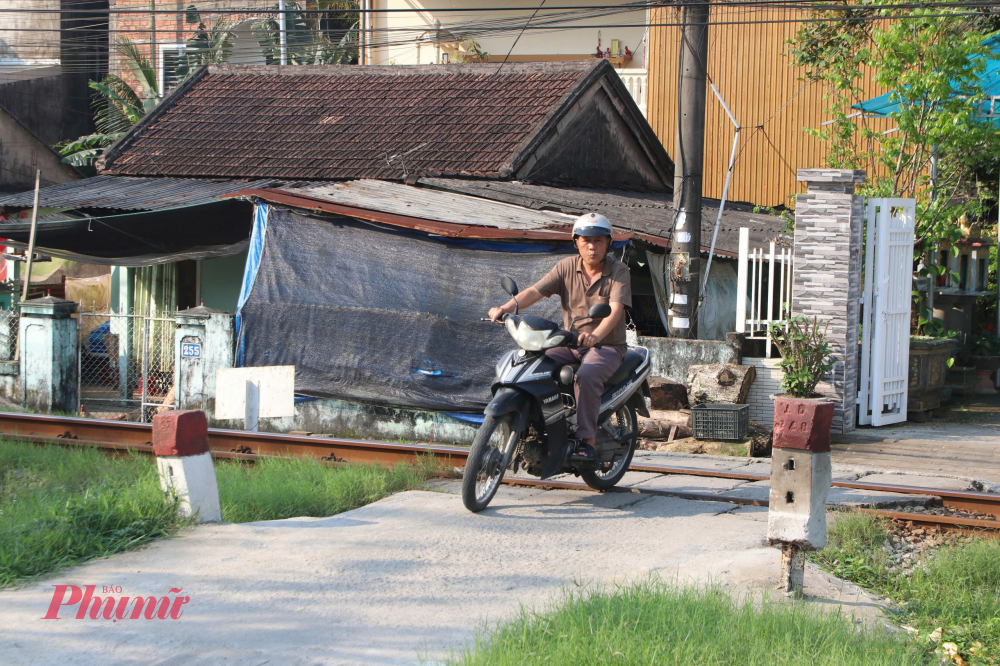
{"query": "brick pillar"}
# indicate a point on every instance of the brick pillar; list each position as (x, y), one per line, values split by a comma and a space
(829, 221)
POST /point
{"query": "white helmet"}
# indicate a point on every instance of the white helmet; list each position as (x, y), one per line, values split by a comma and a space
(591, 224)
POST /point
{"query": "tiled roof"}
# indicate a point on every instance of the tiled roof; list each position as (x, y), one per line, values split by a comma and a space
(326, 123)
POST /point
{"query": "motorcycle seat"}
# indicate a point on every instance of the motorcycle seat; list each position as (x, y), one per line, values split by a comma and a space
(633, 359)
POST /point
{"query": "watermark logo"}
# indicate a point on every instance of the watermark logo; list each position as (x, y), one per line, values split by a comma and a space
(111, 605)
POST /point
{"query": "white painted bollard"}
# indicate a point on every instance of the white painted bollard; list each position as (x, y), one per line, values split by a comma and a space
(180, 442)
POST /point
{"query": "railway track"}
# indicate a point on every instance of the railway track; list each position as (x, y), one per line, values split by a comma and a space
(243, 445)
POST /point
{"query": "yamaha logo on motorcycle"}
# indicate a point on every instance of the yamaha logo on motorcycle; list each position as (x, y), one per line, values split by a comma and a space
(527, 425)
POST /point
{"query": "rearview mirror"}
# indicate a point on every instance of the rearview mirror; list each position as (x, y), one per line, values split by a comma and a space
(509, 286)
(600, 311)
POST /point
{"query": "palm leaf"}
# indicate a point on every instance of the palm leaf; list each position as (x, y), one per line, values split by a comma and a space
(116, 107)
(139, 64)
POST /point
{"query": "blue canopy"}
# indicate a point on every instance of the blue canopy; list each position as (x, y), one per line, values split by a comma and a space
(883, 105)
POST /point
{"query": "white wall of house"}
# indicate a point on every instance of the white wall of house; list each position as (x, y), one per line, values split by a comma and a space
(410, 37)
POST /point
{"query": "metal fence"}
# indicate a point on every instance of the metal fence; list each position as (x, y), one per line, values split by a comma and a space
(126, 363)
(763, 289)
(9, 325)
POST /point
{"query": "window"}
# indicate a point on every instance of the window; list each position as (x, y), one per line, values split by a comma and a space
(171, 58)
(963, 272)
(981, 274)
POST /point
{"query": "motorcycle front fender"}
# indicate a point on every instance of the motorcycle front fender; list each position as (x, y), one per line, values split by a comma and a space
(508, 401)
(556, 436)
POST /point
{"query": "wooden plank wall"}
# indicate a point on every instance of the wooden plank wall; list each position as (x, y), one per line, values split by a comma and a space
(749, 64)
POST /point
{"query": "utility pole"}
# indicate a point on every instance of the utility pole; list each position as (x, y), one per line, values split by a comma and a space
(26, 278)
(689, 159)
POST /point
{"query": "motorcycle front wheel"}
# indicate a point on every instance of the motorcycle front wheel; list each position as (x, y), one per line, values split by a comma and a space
(483, 471)
(626, 420)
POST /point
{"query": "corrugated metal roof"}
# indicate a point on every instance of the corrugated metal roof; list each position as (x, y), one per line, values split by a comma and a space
(131, 193)
(645, 213)
(400, 199)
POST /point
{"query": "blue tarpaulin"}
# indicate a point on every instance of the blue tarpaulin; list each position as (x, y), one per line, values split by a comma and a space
(254, 252)
(884, 105)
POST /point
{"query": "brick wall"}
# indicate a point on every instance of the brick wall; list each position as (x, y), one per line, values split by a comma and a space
(767, 383)
(171, 28)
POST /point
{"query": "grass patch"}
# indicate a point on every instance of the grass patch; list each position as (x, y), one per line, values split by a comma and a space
(63, 506)
(652, 623)
(956, 589)
(275, 488)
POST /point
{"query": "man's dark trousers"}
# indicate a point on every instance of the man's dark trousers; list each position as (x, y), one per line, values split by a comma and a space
(596, 367)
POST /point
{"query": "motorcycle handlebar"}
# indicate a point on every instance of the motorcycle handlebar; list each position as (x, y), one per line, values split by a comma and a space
(575, 342)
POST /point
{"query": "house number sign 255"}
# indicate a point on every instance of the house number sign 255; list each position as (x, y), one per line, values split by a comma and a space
(190, 350)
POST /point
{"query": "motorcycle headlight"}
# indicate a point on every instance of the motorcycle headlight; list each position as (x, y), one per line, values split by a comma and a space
(554, 341)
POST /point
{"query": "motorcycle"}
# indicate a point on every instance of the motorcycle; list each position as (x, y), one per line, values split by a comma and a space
(531, 420)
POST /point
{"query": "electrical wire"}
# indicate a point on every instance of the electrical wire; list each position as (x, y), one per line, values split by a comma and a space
(812, 5)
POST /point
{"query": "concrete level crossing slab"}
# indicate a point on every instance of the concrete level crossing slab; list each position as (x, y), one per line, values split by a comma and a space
(405, 580)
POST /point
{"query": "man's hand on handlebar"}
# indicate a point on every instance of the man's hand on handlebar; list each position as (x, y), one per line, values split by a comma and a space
(496, 313)
(586, 340)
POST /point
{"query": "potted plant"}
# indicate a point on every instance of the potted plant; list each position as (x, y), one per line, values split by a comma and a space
(983, 351)
(802, 418)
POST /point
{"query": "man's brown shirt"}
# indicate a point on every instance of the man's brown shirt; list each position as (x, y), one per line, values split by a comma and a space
(569, 281)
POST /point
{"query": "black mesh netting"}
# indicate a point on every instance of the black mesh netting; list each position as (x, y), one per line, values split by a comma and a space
(380, 316)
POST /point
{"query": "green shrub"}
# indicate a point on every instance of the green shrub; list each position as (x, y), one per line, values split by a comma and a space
(805, 355)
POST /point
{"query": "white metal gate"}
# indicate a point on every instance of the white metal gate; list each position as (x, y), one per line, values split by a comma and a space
(766, 291)
(885, 323)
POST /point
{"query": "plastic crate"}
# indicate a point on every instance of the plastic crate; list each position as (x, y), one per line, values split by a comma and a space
(723, 421)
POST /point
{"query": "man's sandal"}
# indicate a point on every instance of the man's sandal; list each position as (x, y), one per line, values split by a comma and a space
(584, 452)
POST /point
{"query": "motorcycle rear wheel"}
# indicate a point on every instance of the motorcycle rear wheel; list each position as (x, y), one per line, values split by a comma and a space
(603, 480)
(483, 473)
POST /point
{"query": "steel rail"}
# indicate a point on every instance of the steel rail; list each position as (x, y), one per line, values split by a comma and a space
(116, 434)
(950, 523)
(245, 445)
(953, 499)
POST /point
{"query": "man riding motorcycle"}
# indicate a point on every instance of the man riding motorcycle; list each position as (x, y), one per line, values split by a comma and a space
(592, 276)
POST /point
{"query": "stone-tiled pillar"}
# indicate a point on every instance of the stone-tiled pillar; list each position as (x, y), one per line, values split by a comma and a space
(829, 222)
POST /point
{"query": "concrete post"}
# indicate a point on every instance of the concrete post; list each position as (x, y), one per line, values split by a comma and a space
(204, 344)
(801, 475)
(48, 347)
(829, 223)
(180, 442)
